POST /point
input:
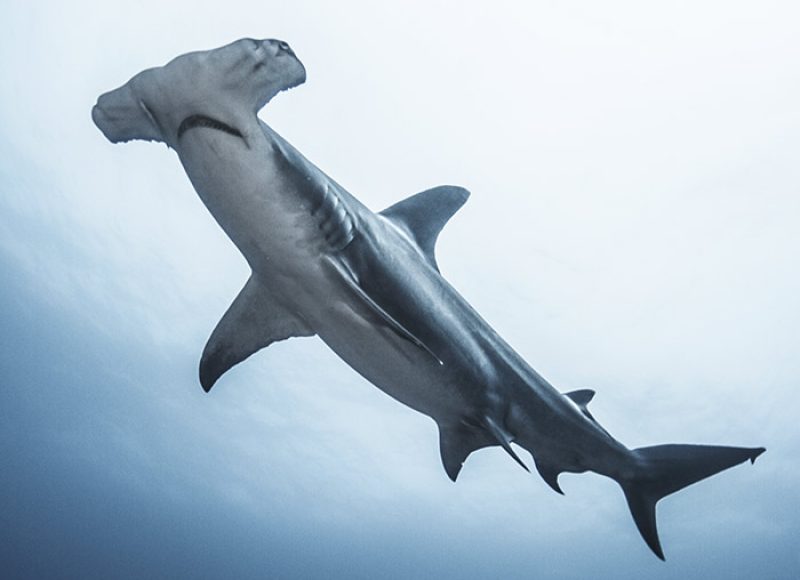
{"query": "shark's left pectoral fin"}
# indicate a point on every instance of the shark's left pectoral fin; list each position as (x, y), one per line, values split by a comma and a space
(422, 216)
(390, 321)
(254, 320)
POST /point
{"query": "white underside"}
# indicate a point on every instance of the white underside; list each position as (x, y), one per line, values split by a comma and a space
(270, 223)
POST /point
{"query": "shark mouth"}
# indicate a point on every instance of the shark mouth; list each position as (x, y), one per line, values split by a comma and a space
(193, 121)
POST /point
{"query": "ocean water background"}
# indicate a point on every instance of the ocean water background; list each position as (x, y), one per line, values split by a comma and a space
(633, 229)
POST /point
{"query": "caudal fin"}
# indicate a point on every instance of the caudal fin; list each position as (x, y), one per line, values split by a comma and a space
(665, 469)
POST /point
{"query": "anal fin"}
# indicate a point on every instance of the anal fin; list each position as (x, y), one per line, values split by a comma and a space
(549, 474)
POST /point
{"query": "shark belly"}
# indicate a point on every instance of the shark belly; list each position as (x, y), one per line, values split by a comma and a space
(255, 203)
(273, 216)
(394, 365)
(356, 281)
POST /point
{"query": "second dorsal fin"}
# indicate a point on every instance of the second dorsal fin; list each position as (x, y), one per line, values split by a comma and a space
(423, 215)
(581, 397)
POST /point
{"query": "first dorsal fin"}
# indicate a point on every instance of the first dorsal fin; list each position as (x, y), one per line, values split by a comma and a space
(254, 320)
(423, 215)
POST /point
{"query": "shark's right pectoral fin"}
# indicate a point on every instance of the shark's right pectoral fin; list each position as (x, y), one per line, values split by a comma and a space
(254, 320)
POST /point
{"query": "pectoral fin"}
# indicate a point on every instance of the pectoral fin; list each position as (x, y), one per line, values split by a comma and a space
(352, 282)
(254, 320)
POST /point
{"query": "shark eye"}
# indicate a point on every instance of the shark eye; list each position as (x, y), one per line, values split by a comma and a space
(284, 46)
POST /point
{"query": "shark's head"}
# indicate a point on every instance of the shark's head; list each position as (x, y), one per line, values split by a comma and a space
(227, 84)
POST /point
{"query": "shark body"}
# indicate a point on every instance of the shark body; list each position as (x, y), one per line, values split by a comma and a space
(367, 283)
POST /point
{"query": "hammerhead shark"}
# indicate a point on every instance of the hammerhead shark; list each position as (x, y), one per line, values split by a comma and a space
(367, 283)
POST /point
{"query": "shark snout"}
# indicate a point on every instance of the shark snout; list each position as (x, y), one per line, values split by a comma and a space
(281, 49)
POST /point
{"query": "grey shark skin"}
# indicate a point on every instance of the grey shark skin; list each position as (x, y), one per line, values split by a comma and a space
(368, 284)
